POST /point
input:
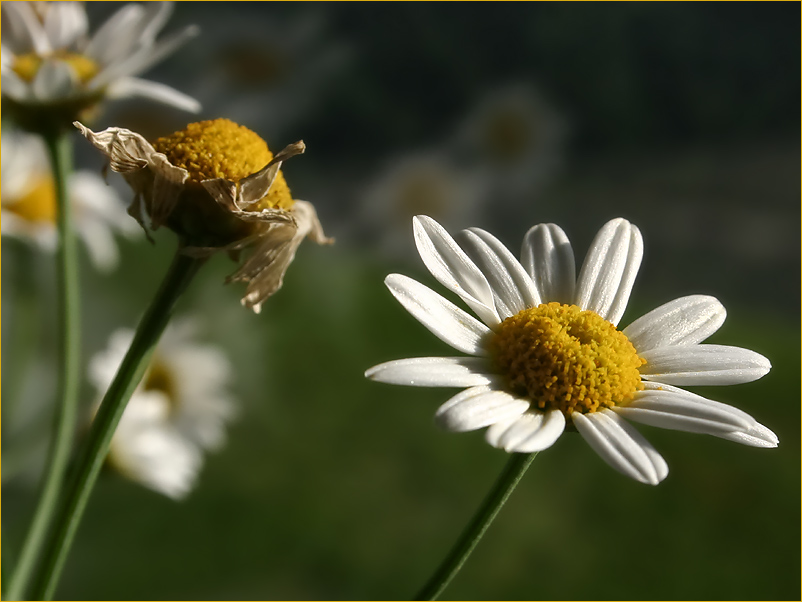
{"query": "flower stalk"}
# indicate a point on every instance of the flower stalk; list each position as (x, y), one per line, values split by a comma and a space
(59, 147)
(96, 445)
(513, 471)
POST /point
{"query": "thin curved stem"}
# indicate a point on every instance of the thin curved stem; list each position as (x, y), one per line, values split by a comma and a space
(451, 565)
(95, 447)
(59, 149)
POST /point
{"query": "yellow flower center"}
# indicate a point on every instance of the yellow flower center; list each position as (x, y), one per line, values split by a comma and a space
(507, 136)
(27, 65)
(562, 357)
(222, 149)
(160, 378)
(425, 192)
(38, 204)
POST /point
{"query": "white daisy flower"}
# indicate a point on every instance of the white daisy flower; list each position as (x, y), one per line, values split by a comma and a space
(49, 59)
(547, 354)
(514, 138)
(424, 182)
(179, 409)
(267, 69)
(29, 202)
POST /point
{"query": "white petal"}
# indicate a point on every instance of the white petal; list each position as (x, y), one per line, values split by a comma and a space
(155, 18)
(55, 79)
(607, 276)
(7, 57)
(530, 432)
(14, 87)
(144, 58)
(757, 436)
(449, 264)
(99, 243)
(683, 412)
(118, 36)
(133, 86)
(621, 446)
(22, 30)
(684, 321)
(478, 407)
(432, 372)
(444, 319)
(548, 257)
(513, 289)
(65, 24)
(703, 365)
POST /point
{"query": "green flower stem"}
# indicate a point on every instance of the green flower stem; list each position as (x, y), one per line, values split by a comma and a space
(95, 447)
(59, 147)
(513, 471)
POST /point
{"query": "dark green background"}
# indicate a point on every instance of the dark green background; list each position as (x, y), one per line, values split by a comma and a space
(684, 119)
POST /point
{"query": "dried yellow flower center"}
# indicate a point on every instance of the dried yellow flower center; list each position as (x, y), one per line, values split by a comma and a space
(562, 357)
(222, 149)
(38, 204)
(27, 65)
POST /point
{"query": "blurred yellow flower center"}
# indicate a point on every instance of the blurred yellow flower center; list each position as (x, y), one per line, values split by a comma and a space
(507, 136)
(38, 204)
(562, 357)
(222, 149)
(27, 65)
(424, 191)
(160, 378)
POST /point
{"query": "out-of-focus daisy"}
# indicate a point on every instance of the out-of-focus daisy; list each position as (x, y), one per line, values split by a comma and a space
(179, 409)
(426, 182)
(29, 202)
(267, 69)
(513, 138)
(50, 62)
(218, 186)
(547, 354)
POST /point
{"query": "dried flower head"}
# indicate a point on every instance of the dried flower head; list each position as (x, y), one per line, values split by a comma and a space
(217, 185)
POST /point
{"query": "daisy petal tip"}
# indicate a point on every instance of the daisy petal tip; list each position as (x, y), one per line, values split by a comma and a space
(447, 421)
(392, 279)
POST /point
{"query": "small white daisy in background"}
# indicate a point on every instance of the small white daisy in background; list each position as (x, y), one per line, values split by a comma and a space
(548, 356)
(48, 57)
(514, 138)
(29, 202)
(267, 69)
(425, 182)
(179, 410)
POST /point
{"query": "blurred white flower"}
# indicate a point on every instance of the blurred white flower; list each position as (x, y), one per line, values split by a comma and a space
(547, 355)
(514, 138)
(48, 57)
(177, 412)
(428, 183)
(29, 202)
(267, 69)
